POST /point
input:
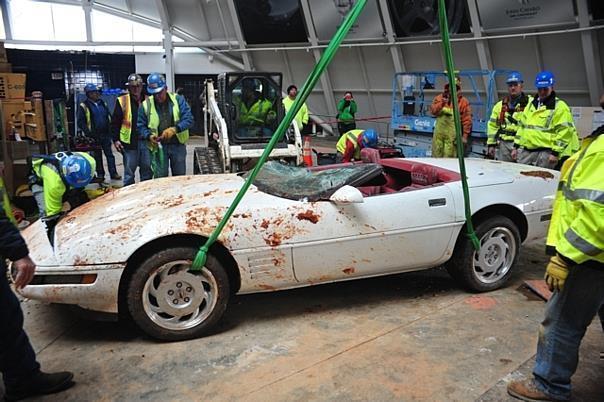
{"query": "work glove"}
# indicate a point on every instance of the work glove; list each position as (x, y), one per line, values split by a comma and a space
(556, 273)
(168, 133)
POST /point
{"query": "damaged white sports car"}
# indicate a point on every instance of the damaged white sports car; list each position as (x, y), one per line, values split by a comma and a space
(129, 252)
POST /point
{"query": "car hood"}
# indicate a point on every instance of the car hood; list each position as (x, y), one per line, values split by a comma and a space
(145, 210)
(486, 172)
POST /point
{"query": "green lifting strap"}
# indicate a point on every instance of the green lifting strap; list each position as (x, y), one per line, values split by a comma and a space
(444, 30)
(334, 44)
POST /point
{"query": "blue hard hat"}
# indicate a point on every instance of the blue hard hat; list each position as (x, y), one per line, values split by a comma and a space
(155, 83)
(91, 88)
(514, 76)
(370, 138)
(76, 169)
(545, 79)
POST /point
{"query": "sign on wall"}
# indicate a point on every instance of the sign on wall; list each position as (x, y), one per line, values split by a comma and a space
(327, 16)
(495, 14)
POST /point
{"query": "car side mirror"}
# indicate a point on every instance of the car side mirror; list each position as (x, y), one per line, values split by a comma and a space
(347, 195)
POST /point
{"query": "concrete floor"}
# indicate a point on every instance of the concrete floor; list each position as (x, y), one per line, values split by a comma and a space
(407, 337)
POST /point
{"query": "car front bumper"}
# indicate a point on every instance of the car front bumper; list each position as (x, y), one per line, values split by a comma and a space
(90, 287)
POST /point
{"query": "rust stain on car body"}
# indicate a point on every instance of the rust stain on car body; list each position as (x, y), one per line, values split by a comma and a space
(173, 202)
(273, 239)
(121, 229)
(308, 215)
(538, 173)
(349, 270)
(77, 260)
(209, 193)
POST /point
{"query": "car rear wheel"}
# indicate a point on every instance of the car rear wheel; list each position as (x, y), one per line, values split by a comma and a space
(169, 302)
(490, 267)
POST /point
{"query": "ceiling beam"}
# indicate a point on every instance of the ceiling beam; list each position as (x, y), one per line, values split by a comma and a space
(87, 6)
(591, 55)
(247, 58)
(166, 28)
(204, 21)
(330, 99)
(482, 46)
(6, 19)
(395, 51)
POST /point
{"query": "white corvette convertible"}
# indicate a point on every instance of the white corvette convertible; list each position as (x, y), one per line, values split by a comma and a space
(129, 252)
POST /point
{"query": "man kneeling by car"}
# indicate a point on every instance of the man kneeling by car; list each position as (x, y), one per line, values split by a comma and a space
(58, 178)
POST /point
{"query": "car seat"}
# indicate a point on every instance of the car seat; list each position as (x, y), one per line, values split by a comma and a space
(422, 176)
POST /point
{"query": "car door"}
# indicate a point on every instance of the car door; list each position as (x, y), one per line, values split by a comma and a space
(385, 233)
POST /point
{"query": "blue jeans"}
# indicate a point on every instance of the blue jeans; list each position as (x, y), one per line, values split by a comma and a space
(133, 158)
(106, 143)
(17, 357)
(175, 155)
(567, 315)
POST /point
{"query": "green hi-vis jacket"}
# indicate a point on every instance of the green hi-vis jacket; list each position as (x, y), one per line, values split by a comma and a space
(548, 126)
(505, 127)
(577, 227)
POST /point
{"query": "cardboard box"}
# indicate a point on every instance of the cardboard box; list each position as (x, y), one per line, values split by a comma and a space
(12, 86)
(13, 115)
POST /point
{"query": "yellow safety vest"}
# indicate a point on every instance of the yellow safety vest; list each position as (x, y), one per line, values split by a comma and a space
(302, 115)
(352, 136)
(543, 128)
(256, 114)
(87, 114)
(84, 106)
(577, 227)
(153, 116)
(126, 128)
(8, 211)
(52, 183)
(506, 131)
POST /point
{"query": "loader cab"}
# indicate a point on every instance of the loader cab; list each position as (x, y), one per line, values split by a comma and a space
(251, 105)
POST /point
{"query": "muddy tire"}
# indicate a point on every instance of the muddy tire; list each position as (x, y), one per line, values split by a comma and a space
(490, 267)
(169, 302)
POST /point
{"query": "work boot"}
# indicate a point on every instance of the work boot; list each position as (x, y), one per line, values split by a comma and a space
(116, 177)
(39, 384)
(97, 180)
(527, 390)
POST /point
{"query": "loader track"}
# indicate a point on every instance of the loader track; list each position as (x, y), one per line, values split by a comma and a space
(206, 161)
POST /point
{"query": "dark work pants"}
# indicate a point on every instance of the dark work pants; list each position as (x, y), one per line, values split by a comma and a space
(17, 357)
(343, 128)
(105, 143)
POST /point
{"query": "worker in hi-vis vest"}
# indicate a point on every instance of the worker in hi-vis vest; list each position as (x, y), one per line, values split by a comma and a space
(94, 120)
(165, 120)
(126, 137)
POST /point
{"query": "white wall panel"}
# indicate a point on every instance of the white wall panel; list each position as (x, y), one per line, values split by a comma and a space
(184, 63)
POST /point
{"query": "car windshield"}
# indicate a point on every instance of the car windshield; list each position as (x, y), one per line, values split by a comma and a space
(299, 183)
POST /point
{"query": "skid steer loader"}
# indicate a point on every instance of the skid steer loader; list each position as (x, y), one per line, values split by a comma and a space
(241, 113)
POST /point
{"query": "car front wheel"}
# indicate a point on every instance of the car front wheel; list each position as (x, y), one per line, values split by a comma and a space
(169, 302)
(490, 267)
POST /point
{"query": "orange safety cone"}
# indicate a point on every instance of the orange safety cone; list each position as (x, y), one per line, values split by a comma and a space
(307, 152)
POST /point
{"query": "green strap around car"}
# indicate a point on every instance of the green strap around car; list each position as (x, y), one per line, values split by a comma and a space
(312, 79)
